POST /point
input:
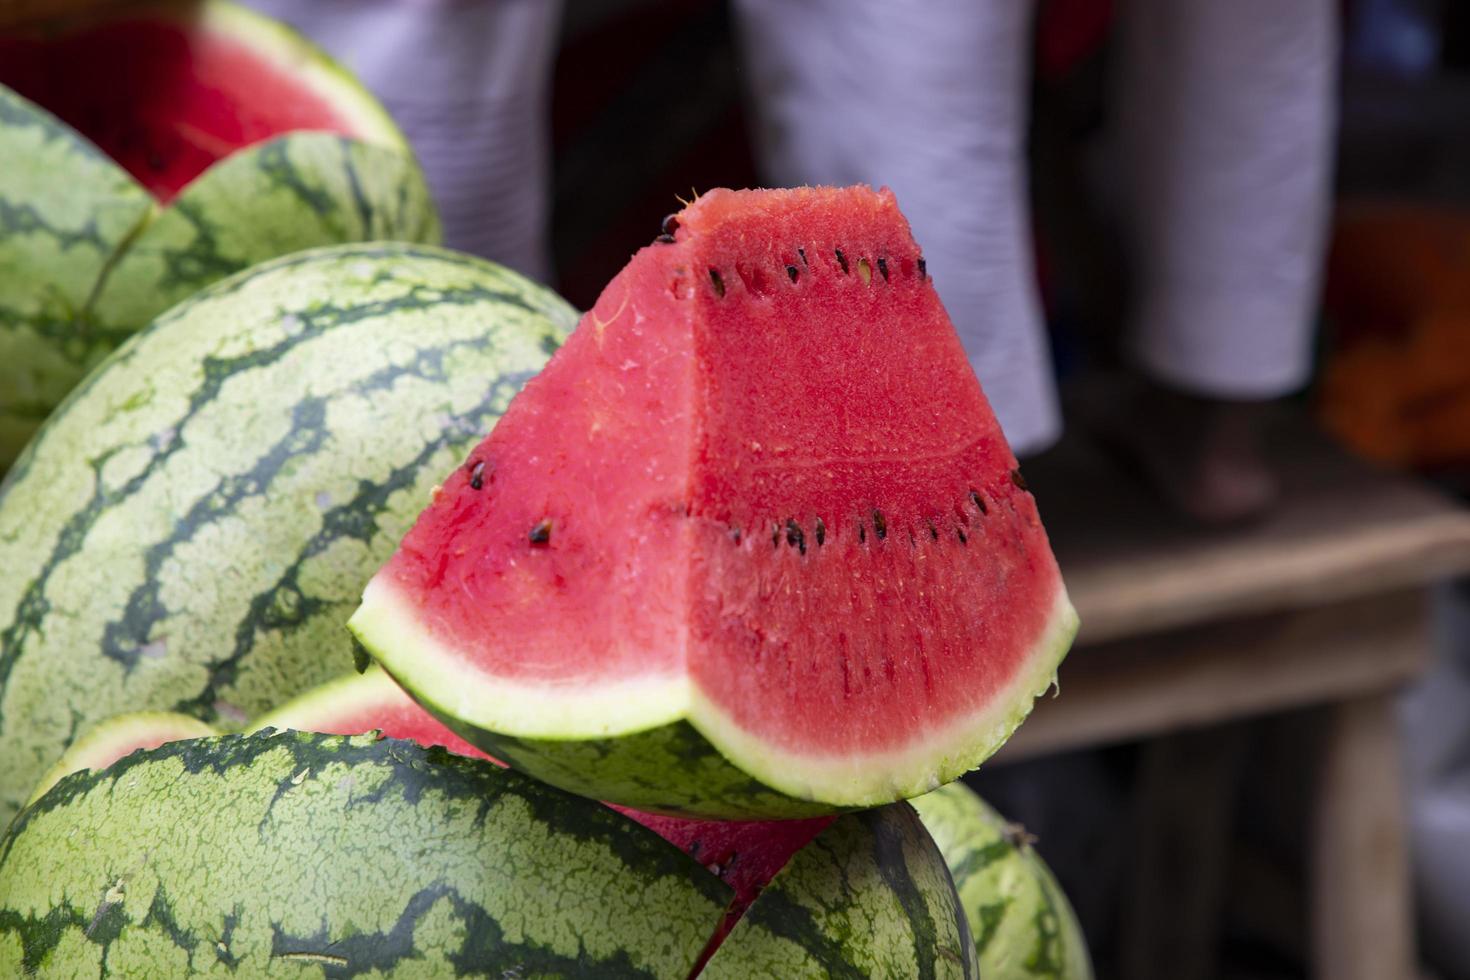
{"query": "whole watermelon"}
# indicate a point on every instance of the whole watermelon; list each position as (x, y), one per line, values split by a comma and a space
(1021, 921)
(288, 854)
(193, 528)
(201, 139)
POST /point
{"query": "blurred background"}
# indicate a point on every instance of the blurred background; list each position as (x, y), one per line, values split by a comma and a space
(1212, 263)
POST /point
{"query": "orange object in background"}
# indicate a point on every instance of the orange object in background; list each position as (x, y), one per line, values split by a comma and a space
(1395, 384)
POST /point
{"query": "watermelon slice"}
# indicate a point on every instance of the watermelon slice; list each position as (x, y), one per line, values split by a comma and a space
(171, 88)
(752, 545)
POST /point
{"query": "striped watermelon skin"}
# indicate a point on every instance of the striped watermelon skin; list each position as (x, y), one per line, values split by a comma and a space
(53, 250)
(193, 527)
(869, 897)
(295, 855)
(1021, 921)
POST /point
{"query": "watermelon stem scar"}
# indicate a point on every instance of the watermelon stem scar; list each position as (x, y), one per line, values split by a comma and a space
(655, 651)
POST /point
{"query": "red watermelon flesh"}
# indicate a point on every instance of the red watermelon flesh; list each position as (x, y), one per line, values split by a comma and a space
(759, 489)
(165, 95)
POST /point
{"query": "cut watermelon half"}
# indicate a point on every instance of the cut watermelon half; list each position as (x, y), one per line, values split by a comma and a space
(752, 545)
(168, 89)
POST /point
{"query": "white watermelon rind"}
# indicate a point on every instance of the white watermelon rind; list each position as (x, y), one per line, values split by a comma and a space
(618, 741)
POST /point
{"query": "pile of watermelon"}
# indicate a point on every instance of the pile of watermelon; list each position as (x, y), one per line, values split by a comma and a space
(645, 676)
(154, 148)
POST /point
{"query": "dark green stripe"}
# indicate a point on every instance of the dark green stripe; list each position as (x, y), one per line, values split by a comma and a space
(891, 829)
(275, 164)
(354, 183)
(983, 857)
(777, 913)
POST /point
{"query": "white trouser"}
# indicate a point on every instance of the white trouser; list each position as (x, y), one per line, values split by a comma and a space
(1225, 116)
(469, 83)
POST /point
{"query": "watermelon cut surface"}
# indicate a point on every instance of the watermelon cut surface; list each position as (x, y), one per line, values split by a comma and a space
(752, 545)
(170, 89)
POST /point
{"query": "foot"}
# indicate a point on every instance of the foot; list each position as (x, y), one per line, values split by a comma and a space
(1203, 456)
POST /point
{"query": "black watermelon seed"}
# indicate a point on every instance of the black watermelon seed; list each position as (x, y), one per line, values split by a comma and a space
(841, 260)
(961, 532)
(791, 271)
(794, 536)
(821, 532)
(883, 268)
(477, 475)
(669, 225)
(1019, 480)
(802, 252)
(933, 531)
(719, 284)
(664, 240)
(734, 533)
(923, 268)
(880, 525)
(979, 502)
(541, 533)
(862, 532)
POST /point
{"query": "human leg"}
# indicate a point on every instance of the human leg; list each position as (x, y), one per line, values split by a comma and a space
(1225, 118)
(929, 99)
(469, 83)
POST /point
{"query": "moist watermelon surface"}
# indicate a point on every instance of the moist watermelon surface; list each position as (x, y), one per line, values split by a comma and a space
(759, 493)
(170, 89)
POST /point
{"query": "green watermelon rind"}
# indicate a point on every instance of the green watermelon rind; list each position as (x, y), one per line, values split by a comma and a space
(294, 417)
(621, 742)
(52, 257)
(870, 896)
(1020, 919)
(72, 287)
(288, 853)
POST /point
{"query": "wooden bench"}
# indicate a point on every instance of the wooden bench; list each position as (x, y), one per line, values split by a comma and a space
(1321, 604)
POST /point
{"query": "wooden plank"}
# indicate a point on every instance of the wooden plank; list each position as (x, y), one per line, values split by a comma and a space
(1133, 689)
(1184, 808)
(1343, 529)
(1362, 921)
